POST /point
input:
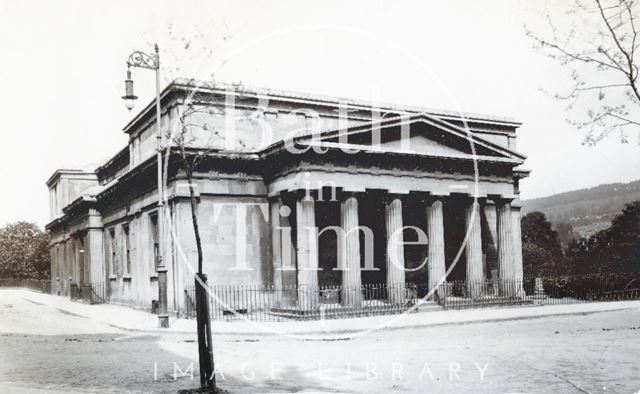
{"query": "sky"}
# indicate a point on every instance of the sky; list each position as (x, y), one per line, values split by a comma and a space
(63, 66)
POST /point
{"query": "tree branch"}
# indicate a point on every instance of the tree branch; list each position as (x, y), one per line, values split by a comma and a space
(630, 74)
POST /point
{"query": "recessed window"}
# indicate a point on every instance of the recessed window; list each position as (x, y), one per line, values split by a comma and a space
(153, 220)
(112, 246)
(127, 249)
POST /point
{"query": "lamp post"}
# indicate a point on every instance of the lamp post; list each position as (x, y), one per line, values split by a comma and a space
(152, 62)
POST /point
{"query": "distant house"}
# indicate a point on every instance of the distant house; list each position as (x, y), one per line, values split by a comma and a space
(289, 167)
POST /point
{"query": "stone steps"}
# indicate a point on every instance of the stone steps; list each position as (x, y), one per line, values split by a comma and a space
(429, 306)
(468, 303)
(344, 312)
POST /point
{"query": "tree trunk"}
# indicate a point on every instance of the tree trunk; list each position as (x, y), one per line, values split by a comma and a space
(194, 219)
(205, 347)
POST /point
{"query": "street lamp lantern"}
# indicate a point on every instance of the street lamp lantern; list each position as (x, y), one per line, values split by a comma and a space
(129, 98)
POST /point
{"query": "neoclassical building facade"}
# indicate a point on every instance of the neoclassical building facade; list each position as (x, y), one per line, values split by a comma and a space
(295, 191)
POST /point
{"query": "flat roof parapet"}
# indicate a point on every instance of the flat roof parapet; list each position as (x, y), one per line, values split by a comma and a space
(72, 173)
(184, 84)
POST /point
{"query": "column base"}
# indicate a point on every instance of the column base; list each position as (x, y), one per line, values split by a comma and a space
(163, 316)
(308, 298)
(396, 294)
(163, 321)
(475, 290)
(351, 297)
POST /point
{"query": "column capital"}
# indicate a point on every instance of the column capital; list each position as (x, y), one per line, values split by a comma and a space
(274, 197)
(346, 194)
(389, 197)
(427, 198)
(299, 194)
(480, 200)
(500, 200)
(431, 198)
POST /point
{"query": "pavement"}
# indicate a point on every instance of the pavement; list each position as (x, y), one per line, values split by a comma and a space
(129, 319)
(590, 348)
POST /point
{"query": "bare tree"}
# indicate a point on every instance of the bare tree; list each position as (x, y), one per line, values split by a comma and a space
(189, 158)
(196, 141)
(598, 41)
(185, 50)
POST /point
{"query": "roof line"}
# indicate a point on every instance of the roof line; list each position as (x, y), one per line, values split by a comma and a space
(388, 123)
(318, 99)
(60, 171)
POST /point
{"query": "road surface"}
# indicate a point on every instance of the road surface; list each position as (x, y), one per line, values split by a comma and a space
(45, 350)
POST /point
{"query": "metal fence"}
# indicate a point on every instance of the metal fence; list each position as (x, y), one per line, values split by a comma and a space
(262, 303)
(93, 293)
(541, 291)
(228, 303)
(41, 285)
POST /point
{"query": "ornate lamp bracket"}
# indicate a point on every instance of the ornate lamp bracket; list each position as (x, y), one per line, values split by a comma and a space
(144, 60)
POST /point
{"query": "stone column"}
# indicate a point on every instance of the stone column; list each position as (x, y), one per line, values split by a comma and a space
(517, 250)
(307, 253)
(276, 244)
(490, 241)
(473, 251)
(506, 266)
(350, 255)
(285, 250)
(96, 257)
(395, 251)
(283, 255)
(436, 260)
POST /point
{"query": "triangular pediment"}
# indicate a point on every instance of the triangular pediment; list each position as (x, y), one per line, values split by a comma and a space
(422, 135)
(418, 143)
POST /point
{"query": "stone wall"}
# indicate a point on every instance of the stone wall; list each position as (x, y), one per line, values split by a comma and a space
(235, 237)
(236, 242)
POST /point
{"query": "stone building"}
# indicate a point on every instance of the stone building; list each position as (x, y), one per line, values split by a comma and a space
(276, 171)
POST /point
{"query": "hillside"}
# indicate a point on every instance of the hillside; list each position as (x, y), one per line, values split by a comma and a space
(587, 210)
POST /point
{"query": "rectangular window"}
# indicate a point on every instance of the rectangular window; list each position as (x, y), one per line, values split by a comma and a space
(153, 219)
(112, 246)
(81, 259)
(58, 261)
(127, 249)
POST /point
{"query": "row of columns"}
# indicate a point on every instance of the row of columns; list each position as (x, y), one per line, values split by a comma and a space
(509, 261)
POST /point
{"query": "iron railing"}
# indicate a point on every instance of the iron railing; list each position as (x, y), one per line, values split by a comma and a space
(541, 291)
(265, 303)
(93, 293)
(42, 285)
(262, 303)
